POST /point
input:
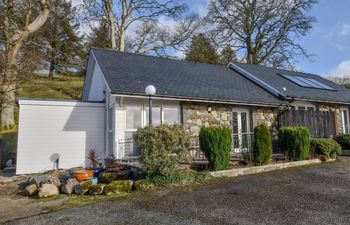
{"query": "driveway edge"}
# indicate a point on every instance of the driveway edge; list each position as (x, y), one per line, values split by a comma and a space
(265, 168)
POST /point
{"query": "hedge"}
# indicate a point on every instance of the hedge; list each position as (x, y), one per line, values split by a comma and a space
(295, 141)
(216, 142)
(326, 147)
(344, 140)
(262, 145)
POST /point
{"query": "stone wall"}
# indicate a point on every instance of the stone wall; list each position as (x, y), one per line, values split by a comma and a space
(267, 116)
(196, 115)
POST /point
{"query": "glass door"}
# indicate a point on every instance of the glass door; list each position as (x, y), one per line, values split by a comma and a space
(241, 131)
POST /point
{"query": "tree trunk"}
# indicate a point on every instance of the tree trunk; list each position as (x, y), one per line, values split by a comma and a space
(8, 108)
(109, 9)
(52, 68)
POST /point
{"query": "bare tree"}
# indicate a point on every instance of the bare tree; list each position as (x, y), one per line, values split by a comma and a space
(262, 31)
(135, 26)
(17, 24)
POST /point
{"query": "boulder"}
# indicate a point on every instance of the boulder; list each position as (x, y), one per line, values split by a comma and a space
(5, 180)
(31, 189)
(68, 186)
(96, 189)
(108, 177)
(82, 187)
(48, 190)
(44, 179)
(119, 186)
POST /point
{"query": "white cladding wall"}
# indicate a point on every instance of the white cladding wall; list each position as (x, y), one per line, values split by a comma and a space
(51, 128)
(98, 85)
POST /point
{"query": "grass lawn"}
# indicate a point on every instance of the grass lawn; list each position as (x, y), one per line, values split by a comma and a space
(61, 87)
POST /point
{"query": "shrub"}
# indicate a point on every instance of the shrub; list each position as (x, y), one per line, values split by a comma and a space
(178, 178)
(326, 147)
(344, 140)
(162, 147)
(215, 142)
(295, 141)
(262, 145)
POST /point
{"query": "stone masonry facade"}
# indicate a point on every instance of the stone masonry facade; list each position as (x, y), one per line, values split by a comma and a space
(196, 115)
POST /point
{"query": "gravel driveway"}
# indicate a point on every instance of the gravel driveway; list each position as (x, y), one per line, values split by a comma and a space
(308, 195)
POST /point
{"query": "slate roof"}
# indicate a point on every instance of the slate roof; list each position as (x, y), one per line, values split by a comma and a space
(128, 73)
(272, 77)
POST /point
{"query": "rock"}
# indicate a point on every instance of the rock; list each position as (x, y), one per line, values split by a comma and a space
(55, 173)
(31, 189)
(78, 190)
(48, 190)
(5, 180)
(96, 189)
(44, 179)
(117, 187)
(143, 185)
(82, 187)
(68, 186)
(108, 177)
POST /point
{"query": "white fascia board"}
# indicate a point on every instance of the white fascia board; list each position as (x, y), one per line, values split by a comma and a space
(45, 102)
(200, 100)
(104, 78)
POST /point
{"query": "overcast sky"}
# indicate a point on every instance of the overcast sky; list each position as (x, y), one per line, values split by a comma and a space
(329, 40)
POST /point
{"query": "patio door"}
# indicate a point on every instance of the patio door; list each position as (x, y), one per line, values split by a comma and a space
(241, 130)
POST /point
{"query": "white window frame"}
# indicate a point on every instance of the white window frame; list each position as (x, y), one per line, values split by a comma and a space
(344, 127)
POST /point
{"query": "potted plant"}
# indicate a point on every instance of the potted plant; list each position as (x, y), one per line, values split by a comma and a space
(94, 162)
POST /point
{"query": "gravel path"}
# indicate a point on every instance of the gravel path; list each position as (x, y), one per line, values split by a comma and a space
(308, 195)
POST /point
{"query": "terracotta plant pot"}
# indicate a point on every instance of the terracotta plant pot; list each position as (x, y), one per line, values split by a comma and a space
(81, 175)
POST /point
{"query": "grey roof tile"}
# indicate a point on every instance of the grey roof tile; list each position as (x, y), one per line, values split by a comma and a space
(128, 73)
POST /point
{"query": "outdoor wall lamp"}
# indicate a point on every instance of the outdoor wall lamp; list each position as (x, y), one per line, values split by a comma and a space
(150, 91)
(209, 109)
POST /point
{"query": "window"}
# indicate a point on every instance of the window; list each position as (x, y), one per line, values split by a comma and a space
(156, 115)
(133, 117)
(307, 82)
(345, 120)
(170, 115)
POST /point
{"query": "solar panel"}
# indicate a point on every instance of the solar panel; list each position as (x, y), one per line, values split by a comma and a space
(307, 82)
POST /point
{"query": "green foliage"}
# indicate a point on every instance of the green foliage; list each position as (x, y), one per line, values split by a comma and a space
(262, 145)
(162, 147)
(202, 50)
(295, 141)
(215, 142)
(64, 49)
(344, 140)
(326, 147)
(178, 178)
(143, 185)
(228, 55)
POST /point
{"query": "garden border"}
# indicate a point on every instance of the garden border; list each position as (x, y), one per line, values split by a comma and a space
(264, 168)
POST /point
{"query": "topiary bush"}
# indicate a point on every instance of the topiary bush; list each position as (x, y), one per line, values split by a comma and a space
(326, 147)
(262, 145)
(344, 140)
(216, 142)
(162, 148)
(295, 141)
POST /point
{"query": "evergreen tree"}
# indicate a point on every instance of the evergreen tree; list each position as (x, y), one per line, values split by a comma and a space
(63, 50)
(201, 50)
(228, 55)
(99, 37)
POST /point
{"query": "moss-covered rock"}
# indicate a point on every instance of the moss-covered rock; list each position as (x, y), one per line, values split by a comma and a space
(143, 185)
(108, 177)
(116, 187)
(82, 187)
(96, 189)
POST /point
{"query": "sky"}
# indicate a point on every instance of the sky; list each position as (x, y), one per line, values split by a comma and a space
(328, 41)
